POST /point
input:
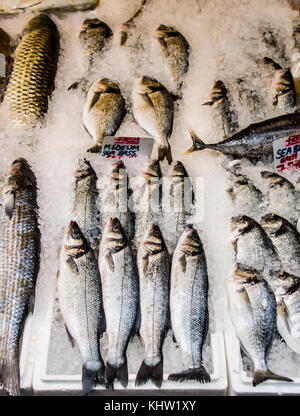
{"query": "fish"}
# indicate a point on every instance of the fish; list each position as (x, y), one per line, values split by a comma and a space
(182, 198)
(153, 110)
(32, 78)
(19, 266)
(85, 211)
(286, 240)
(148, 200)
(189, 304)
(249, 95)
(17, 6)
(252, 245)
(120, 284)
(127, 26)
(103, 111)
(256, 140)
(176, 50)
(252, 308)
(287, 293)
(222, 115)
(153, 268)
(284, 93)
(93, 36)
(81, 304)
(6, 61)
(116, 200)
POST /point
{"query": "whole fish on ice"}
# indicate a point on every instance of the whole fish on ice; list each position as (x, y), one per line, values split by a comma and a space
(93, 36)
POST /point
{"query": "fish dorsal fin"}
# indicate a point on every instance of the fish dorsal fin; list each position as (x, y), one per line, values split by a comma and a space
(94, 99)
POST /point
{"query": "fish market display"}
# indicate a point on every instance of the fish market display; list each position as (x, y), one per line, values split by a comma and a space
(5, 61)
(85, 210)
(287, 294)
(222, 115)
(19, 266)
(115, 200)
(94, 35)
(103, 111)
(17, 6)
(285, 239)
(188, 304)
(153, 110)
(175, 49)
(81, 305)
(32, 78)
(153, 267)
(252, 308)
(251, 244)
(256, 140)
(127, 26)
(119, 279)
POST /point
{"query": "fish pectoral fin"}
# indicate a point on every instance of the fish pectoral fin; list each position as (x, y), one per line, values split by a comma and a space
(182, 262)
(210, 103)
(71, 264)
(94, 99)
(110, 261)
(71, 339)
(145, 262)
(9, 203)
(147, 99)
(163, 45)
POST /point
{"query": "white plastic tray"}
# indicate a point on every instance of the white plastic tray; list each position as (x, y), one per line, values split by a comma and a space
(240, 384)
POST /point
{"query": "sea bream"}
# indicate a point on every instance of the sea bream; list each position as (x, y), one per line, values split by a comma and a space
(32, 79)
(19, 266)
(153, 110)
(93, 36)
(252, 308)
(120, 286)
(153, 267)
(189, 304)
(103, 111)
(256, 140)
(81, 304)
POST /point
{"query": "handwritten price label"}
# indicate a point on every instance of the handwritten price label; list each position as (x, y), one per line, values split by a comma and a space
(126, 147)
(287, 154)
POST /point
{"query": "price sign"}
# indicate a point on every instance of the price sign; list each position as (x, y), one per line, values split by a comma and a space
(287, 154)
(126, 147)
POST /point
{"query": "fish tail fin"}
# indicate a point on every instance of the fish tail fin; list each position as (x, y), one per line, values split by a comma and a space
(260, 376)
(165, 151)
(95, 149)
(117, 372)
(91, 377)
(10, 375)
(150, 372)
(199, 374)
(197, 143)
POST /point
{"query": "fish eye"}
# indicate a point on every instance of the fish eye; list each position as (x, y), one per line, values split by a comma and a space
(116, 228)
(157, 233)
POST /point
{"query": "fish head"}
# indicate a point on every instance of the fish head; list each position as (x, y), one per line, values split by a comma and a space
(37, 22)
(75, 244)
(272, 177)
(271, 223)
(19, 177)
(105, 85)
(240, 224)
(154, 242)
(219, 91)
(148, 85)
(114, 237)
(179, 170)
(189, 241)
(153, 171)
(94, 25)
(284, 283)
(244, 275)
(164, 31)
(84, 170)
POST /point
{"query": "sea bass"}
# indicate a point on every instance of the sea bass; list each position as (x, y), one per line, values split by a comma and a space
(120, 285)
(189, 304)
(252, 307)
(103, 111)
(81, 305)
(34, 69)
(5, 61)
(17, 6)
(153, 267)
(19, 266)
(153, 110)
(256, 140)
(85, 211)
(221, 113)
(175, 49)
(93, 36)
(286, 240)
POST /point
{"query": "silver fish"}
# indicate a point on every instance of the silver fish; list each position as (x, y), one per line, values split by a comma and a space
(94, 35)
(286, 240)
(103, 111)
(252, 307)
(153, 267)
(81, 304)
(17, 6)
(19, 266)
(119, 279)
(85, 211)
(189, 304)
(256, 140)
(153, 110)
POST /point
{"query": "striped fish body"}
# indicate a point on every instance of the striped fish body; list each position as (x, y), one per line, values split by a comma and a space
(19, 266)
(32, 78)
